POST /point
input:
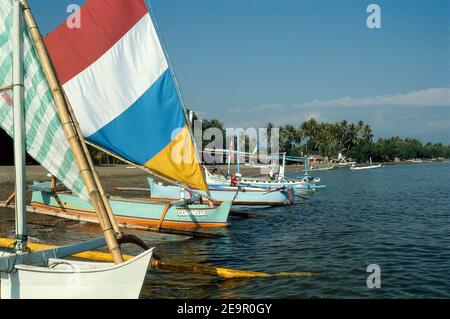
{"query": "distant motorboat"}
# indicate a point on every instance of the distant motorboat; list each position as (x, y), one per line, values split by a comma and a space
(322, 168)
(344, 164)
(371, 166)
(365, 167)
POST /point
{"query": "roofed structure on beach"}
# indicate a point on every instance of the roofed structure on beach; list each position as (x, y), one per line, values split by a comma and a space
(316, 159)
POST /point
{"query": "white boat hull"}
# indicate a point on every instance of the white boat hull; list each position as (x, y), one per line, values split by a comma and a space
(306, 184)
(365, 167)
(69, 279)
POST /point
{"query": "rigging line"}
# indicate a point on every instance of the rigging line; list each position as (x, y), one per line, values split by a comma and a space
(6, 87)
(178, 90)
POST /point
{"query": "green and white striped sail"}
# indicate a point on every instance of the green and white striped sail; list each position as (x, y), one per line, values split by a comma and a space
(45, 138)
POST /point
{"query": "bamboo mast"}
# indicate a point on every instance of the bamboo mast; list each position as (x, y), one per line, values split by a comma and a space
(72, 137)
(19, 131)
(238, 148)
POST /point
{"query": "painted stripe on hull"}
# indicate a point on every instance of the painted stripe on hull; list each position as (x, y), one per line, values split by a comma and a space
(103, 23)
(236, 202)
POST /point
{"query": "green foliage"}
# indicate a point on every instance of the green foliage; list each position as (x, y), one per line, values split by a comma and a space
(214, 123)
(354, 141)
(101, 158)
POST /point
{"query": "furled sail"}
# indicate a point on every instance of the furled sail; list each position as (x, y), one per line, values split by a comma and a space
(117, 78)
(45, 138)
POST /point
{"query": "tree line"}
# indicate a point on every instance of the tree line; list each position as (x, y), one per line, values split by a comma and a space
(353, 140)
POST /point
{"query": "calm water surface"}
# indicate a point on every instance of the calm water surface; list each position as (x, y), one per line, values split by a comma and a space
(397, 217)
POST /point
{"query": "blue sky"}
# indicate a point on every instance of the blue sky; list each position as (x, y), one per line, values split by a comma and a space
(248, 62)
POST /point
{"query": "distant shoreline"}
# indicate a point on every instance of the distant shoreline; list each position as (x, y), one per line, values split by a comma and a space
(37, 172)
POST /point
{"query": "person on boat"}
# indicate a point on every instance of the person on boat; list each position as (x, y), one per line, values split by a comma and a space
(272, 175)
(233, 180)
(215, 168)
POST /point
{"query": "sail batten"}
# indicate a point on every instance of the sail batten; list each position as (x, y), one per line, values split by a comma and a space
(121, 88)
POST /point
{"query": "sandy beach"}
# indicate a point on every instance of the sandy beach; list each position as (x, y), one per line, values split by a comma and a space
(111, 176)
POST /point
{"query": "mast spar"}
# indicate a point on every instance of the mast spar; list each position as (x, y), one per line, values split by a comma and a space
(19, 130)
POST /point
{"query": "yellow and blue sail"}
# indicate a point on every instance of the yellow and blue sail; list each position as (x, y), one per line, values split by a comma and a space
(117, 78)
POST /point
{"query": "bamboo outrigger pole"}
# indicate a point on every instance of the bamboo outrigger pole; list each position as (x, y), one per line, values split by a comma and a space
(72, 136)
(157, 263)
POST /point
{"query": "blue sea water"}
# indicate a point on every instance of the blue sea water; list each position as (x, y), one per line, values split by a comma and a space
(397, 217)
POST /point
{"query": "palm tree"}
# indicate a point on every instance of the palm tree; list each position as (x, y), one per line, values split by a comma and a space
(367, 133)
(289, 137)
(350, 137)
(214, 123)
(309, 131)
(269, 127)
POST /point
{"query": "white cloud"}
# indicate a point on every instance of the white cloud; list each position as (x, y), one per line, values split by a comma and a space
(424, 114)
(259, 108)
(313, 115)
(428, 97)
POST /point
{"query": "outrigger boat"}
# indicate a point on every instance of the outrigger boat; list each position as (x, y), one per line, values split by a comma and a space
(240, 196)
(49, 274)
(306, 183)
(168, 213)
(303, 185)
(124, 94)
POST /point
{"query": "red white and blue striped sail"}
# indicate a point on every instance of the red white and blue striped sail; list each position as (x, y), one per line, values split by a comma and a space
(117, 78)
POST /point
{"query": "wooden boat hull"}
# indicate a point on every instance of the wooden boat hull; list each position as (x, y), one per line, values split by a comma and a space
(300, 186)
(239, 197)
(136, 212)
(70, 279)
